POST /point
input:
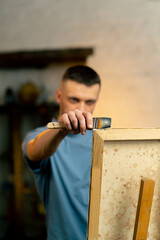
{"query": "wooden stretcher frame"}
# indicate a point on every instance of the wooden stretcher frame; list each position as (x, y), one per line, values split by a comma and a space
(99, 137)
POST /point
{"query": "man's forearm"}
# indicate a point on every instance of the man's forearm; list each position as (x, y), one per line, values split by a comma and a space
(45, 144)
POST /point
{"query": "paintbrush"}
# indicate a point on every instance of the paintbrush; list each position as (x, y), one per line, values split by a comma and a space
(98, 123)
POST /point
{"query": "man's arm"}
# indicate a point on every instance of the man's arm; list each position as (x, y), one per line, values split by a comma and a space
(47, 142)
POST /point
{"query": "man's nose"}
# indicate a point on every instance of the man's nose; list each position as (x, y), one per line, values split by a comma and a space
(81, 106)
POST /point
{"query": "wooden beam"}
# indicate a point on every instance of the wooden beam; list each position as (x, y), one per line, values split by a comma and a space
(42, 58)
(143, 209)
(95, 187)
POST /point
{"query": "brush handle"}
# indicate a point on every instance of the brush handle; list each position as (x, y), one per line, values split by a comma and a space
(56, 125)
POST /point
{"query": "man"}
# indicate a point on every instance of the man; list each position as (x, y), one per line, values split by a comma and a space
(61, 159)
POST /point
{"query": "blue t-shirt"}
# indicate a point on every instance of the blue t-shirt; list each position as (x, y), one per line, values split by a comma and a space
(63, 182)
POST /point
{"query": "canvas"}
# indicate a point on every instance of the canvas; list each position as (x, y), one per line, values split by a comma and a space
(120, 159)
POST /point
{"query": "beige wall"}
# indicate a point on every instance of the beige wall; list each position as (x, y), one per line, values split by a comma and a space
(125, 35)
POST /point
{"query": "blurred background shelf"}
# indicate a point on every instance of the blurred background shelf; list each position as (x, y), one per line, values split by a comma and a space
(42, 58)
(21, 212)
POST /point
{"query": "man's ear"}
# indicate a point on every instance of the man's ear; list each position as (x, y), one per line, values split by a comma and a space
(58, 95)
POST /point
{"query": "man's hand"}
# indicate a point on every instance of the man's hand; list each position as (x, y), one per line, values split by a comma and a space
(77, 121)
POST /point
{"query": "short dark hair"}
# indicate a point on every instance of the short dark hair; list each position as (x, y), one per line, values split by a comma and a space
(82, 74)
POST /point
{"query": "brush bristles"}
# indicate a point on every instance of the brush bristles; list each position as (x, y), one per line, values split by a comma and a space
(101, 123)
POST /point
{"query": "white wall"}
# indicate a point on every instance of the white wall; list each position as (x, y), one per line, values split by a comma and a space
(124, 33)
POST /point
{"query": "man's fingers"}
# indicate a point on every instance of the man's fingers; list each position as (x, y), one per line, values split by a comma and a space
(77, 121)
(89, 120)
(85, 121)
(65, 119)
(73, 120)
(81, 121)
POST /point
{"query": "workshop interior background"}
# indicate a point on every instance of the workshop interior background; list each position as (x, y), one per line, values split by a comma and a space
(119, 39)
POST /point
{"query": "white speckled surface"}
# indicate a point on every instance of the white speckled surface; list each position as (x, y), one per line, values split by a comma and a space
(125, 163)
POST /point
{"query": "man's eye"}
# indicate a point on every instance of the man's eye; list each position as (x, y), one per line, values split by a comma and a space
(90, 102)
(73, 100)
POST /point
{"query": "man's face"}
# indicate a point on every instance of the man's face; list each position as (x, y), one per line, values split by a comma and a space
(73, 95)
